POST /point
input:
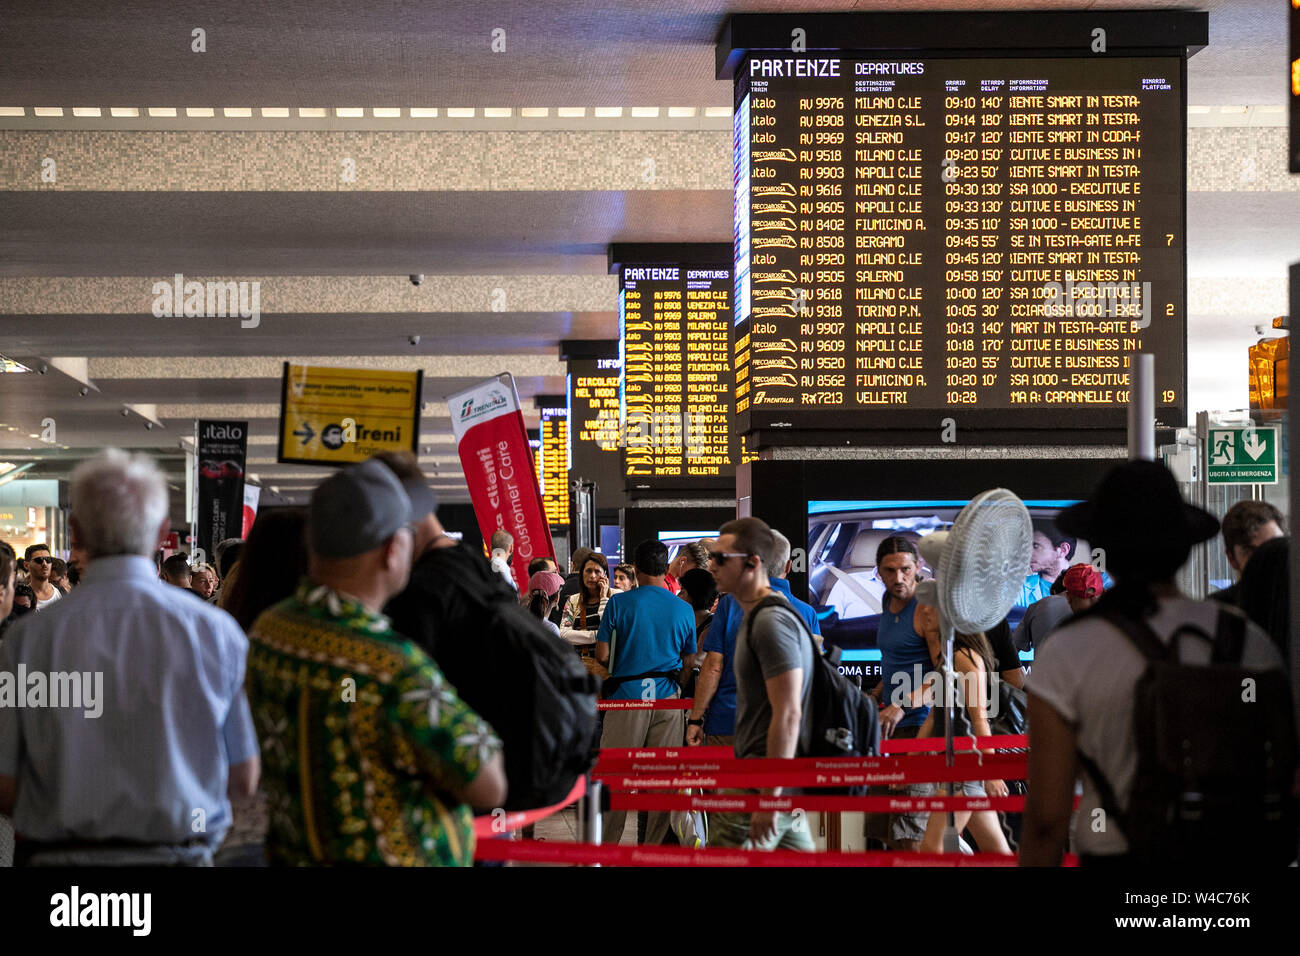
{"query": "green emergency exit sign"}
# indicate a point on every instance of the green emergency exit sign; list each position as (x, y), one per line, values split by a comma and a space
(1241, 455)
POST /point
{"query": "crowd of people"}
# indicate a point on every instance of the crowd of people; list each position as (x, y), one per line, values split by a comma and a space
(289, 703)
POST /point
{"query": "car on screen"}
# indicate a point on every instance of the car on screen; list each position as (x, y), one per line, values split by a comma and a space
(844, 585)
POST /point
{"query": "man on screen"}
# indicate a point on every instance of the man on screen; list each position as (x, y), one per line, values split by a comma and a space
(1048, 560)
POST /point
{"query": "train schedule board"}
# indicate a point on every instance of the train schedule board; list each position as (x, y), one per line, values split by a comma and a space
(988, 238)
(594, 433)
(553, 459)
(676, 389)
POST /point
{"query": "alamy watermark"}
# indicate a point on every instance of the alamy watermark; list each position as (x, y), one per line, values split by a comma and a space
(212, 299)
(959, 690)
(1099, 300)
(82, 690)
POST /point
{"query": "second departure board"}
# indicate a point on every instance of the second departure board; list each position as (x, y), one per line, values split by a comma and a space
(677, 384)
(992, 235)
(554, 471)
(595, 453)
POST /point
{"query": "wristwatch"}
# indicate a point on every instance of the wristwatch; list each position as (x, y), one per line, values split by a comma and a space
(691, 722)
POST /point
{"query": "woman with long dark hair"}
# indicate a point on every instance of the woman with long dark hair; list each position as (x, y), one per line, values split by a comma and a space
(582, 613)
(272, 562)
(270, 565)
(971, 688)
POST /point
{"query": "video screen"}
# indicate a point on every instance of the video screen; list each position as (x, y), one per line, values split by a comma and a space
(848, 594)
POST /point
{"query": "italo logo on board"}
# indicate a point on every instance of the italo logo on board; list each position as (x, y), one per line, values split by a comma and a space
(495, 400)
(223, 432)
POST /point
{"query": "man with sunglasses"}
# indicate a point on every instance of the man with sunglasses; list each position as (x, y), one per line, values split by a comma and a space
(40, 564)
(773, 667)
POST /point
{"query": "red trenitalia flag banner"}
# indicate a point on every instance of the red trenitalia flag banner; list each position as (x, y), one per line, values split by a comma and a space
(493, 445)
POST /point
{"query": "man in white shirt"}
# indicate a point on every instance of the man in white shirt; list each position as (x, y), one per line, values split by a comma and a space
(39, 565)
(503, 551)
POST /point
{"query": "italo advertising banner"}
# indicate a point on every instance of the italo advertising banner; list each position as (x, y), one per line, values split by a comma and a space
(340, 416)
(493, 444)
(222, 451)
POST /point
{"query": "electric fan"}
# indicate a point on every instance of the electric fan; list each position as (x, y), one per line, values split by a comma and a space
(980, 567)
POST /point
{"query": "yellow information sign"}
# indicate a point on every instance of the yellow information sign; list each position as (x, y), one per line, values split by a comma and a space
(338, 416)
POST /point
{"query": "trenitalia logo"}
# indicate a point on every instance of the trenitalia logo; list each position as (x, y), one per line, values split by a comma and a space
(469, 410)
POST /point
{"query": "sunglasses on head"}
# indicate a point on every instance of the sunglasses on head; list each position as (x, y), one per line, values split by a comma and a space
(720, 557)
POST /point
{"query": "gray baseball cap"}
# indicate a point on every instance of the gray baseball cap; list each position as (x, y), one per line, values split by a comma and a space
(356, 510)
(423, 500)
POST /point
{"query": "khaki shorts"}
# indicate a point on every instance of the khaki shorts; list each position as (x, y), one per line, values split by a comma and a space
(893, 828)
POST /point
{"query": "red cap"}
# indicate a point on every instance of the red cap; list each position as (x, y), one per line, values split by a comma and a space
(1083, 580)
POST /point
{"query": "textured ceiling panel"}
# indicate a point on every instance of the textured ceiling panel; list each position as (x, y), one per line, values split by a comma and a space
(397, 234)
(439, 53)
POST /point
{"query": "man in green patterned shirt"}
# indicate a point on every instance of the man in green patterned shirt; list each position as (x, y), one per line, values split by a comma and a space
(369, 756)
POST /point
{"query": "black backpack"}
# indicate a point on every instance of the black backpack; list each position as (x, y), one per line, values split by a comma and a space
(840, 720)
(526, 682)
(1214, 770)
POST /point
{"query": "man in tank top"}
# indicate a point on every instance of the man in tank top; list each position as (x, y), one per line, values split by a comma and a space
(908, 639)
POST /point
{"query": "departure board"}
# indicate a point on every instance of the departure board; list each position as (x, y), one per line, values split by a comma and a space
(595, 450)
(554, 456)
(677, 384)
(993, 236)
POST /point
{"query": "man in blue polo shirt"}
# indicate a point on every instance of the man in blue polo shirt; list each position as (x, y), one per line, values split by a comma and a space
(713, 717)
(644, 635)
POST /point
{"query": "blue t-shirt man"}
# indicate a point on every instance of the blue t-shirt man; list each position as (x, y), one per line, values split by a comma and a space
(648, 631)
(901, 650)
(720, 638)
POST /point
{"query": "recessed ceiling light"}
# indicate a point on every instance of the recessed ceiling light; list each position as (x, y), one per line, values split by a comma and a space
(1234, 110)
(644, 112)
(311, 112)
(498, 112)
(12, 111)
(350, 112)
(608, 112)
(680, 112)
(1198, 109)
(275, 112)
(571, 112)
(460, 112)
(162, 111)
(388, 112)
(424, 112)
(237, 112)
(200, 111)
(49, 111)
(1270, 109)
(717, 111)
(86, 111)
(123, 111)
(535, 112)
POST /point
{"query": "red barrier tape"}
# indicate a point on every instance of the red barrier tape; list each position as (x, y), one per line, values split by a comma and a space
(667, 753)
(989, 771)
(670, 704)
(750, 802)
(609, 855)
(930, 744)
(686, 764)
(493, 825)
